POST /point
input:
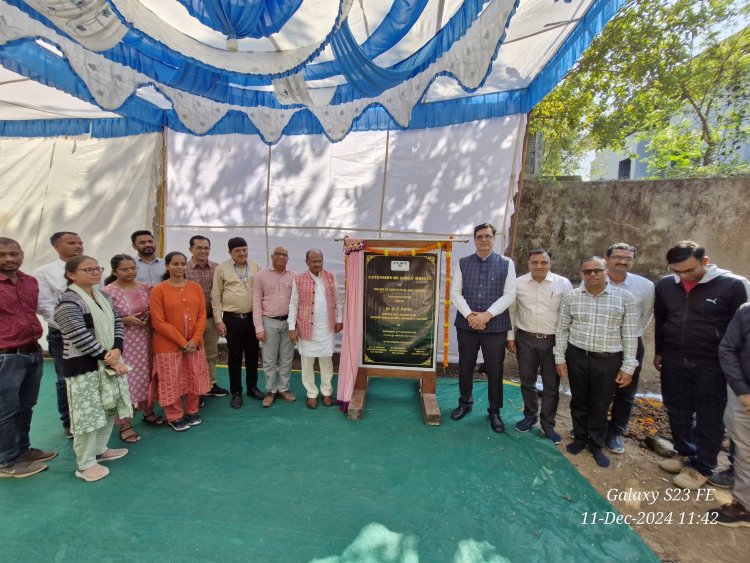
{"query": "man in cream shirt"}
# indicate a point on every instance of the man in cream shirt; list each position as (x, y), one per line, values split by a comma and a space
(534, 314)
(232, 301)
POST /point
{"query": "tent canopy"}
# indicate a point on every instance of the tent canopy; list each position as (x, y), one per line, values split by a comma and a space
(273, 68)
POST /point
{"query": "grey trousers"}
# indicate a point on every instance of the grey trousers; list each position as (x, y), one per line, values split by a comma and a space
(738, 424)
(278, 353)
(535, 356)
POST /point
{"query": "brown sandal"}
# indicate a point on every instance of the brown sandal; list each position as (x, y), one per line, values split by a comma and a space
(129, 435)
(153, 419)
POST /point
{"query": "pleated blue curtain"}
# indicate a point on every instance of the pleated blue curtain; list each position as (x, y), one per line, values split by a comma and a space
(238, 19)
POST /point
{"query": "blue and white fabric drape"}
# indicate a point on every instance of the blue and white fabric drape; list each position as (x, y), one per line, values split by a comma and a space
(296, 66)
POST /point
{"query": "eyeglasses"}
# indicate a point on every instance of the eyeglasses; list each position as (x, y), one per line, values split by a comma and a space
(589, 271)
(685, 272)
(623, 258)
(281, 255)
(131, 269)
(484, 237)
(92, 270)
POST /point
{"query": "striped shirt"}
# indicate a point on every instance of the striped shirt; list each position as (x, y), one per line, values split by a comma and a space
(81, 349)
(607, 322)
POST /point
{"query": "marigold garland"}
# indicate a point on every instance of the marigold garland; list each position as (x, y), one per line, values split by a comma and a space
(447, 247)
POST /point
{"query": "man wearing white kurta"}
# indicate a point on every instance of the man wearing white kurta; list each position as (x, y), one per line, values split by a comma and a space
(315, 316)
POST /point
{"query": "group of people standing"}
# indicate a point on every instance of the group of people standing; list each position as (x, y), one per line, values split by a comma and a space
(159, 321)
(149, 333)
(593, 336)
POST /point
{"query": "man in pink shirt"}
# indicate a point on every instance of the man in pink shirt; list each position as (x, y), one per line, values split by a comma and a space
(272, 290)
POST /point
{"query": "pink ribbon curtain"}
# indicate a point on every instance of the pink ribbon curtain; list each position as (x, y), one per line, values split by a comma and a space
(351, 346)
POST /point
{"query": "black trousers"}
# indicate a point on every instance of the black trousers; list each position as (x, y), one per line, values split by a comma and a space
(624, 399)
(592, 384)
(241, 341)
(695, 395)
(535, 355)
(493, 351)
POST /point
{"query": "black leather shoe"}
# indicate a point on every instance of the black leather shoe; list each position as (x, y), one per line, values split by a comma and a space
(256, 393)
(460, 411)
(496, 422)
(236, 401)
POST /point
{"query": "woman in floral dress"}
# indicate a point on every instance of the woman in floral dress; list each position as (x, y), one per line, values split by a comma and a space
(131, 299)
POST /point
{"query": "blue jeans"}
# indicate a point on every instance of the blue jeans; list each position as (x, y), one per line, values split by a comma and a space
(55, 342)
(20, 376)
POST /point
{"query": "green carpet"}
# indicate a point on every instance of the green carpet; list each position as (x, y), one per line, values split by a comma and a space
(290, 484)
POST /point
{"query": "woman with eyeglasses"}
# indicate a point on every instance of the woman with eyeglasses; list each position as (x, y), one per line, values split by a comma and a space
(131, 299)
(92, 332)
(178, 317)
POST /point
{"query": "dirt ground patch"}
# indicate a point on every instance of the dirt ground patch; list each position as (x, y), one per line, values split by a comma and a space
(673, 524)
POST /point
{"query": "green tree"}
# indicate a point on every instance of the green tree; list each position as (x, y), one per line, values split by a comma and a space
(667, 71)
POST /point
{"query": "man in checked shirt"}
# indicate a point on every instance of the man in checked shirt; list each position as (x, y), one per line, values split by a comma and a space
(595, 348)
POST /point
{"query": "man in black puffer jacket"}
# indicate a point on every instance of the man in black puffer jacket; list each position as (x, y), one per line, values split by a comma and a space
(693, 307)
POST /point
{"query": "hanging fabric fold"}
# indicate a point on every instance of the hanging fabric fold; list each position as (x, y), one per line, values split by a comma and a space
(361, 73)
(397, 23)
(239, 19)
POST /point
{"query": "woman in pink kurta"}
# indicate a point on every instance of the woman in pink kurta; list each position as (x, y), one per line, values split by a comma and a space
(131, 299)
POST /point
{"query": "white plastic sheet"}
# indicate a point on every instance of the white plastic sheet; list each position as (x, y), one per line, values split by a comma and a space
(103, 189)
(305, 192)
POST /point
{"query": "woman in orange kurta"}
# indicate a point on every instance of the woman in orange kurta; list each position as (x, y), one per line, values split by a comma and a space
(178, 317)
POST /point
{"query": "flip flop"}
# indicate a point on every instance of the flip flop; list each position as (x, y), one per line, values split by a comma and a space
(153, 419)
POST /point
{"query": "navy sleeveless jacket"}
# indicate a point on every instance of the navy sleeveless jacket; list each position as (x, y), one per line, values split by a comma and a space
(483, 284)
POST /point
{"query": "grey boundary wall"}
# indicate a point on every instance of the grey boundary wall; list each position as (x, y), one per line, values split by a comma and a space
(575, 219)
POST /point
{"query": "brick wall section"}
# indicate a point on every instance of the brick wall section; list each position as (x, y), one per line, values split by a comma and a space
(576, 219)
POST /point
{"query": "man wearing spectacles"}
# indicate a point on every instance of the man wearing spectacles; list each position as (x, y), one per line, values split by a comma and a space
(272, 291)
(232, 303)
(692, 310)
(51, 279)
(201, 270)
(482, 290)
(595, 348)
(619, 261)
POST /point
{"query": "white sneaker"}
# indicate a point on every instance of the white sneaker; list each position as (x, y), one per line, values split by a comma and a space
(671, 465)
(93, 473)
(689, 478)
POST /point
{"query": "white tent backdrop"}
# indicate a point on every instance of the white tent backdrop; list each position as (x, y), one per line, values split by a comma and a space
(306, 191)
(102, 189)
(301, 193)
